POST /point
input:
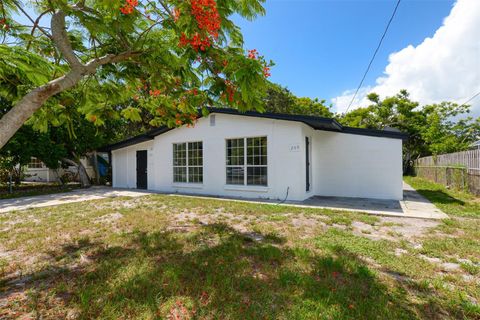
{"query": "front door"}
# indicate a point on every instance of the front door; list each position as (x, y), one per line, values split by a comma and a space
(307, 163)
(142, 169)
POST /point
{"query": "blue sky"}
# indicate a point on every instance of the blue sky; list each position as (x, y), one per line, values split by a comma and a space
(321, 48)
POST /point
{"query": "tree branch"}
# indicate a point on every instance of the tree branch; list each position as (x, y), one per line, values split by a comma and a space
(36, 24)
(166, 9)
(145, 32)
(60, 38)
(93, 64)
(31, 20)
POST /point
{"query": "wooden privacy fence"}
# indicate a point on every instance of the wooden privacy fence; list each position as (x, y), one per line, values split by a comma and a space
(459, 170)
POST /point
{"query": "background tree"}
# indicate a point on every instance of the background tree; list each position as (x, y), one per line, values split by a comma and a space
(170, 56)
(432, 129)
(27, 143)
(445, 131)
(56, 146)
(279, 99)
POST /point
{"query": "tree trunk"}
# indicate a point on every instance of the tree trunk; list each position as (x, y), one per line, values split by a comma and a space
(59, 179)
(82, 173)
(32, 101)
(95, 168)
(17, 175)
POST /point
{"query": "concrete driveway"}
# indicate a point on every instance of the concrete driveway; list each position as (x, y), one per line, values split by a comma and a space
(412, 206)
(77, 195)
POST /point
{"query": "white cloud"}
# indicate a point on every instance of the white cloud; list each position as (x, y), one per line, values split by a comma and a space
(342, 102)
(445, 67)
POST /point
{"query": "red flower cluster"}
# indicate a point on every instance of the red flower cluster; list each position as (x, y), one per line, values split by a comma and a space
(206, 14)
(197, 42)
(178, 121)
(253, 54)
(193, 117)
(194, 91)
(190, 119)
(129, 6)
(3, 24)
(208, 21)
(229, 91)
(266, 72)
(155, 93)
(176, 14)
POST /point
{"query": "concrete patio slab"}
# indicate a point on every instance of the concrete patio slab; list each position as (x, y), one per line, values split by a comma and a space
(412, 206)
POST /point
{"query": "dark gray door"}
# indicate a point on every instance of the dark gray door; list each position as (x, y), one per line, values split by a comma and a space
(307, 163)
(142, 169)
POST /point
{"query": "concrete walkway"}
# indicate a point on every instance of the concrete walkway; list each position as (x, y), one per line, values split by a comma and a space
(412, 206)
(77, 195)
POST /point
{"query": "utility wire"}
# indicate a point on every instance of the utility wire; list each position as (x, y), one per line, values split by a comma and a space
(374, 54)
(473, 97)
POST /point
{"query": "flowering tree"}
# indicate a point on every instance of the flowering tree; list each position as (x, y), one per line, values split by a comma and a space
(168, 57)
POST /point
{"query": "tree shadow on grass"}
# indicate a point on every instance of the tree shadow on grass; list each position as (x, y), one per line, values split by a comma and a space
(439, 196)
(217, 272)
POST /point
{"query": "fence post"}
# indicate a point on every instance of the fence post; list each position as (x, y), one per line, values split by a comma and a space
(454, 169)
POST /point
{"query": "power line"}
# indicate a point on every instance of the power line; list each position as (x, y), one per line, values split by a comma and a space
(473, 97)
(375, 53)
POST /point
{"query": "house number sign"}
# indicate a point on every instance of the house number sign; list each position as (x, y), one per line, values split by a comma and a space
(294, 147)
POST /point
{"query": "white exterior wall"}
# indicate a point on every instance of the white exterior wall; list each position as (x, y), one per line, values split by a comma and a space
(124, 166)
(284, 169)
(341, 164)
(350, 165)
(41, 175)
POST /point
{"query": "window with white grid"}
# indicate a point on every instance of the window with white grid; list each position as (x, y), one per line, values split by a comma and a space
(35, 163)
(188, 162)
(247, 161)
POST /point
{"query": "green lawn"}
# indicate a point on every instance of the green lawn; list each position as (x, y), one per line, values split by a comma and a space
(449, 201)
(172, 257)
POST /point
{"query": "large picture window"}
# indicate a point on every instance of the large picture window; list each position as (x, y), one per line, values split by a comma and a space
(247, 161)
(188, 162)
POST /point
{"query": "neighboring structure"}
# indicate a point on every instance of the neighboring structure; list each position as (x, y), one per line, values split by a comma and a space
(37, 171)
(262, 155)
(475, 145)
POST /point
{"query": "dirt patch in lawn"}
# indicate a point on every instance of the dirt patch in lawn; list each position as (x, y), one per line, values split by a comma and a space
(395, 229)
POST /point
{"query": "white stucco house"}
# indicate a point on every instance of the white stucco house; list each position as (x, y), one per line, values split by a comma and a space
(262, 155)
(37, 171)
